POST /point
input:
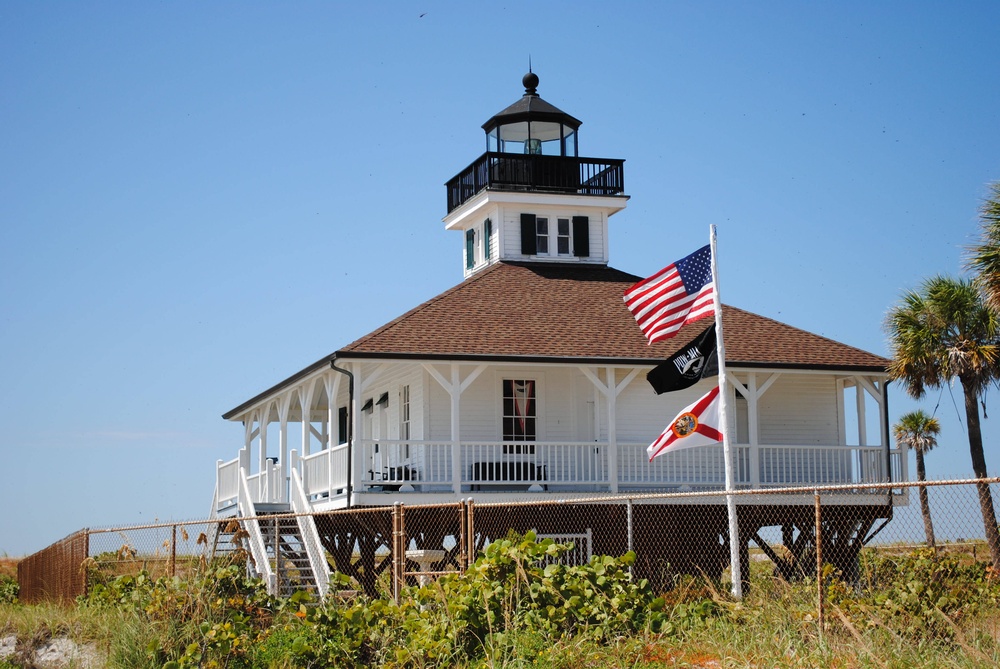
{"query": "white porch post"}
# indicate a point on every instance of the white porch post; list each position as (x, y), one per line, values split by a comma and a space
(456, 428)
(871, 386)
(248, 436)
(280, 486)
(884, 439)
(262, 423)
(841, 412)
(357, 461)
(612, 430)
(610, 388)
(284, 404)
(753, 391)
(455, 387)
(332, 384)
(859, 400)
(363, 456)
(752, 430)
(305, 402)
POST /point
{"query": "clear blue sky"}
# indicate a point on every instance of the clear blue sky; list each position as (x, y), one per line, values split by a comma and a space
(199, 199)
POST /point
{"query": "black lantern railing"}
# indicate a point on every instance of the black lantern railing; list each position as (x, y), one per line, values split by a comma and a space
(546, 174)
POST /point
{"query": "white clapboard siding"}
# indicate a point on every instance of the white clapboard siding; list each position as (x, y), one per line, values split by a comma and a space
(800, 410)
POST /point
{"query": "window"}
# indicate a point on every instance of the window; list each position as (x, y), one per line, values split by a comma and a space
(404, 419)
(404, 412)
(572, 236)
(519, 415)
(487, 233)
(562, 236)
(470, 249)
(742, 419)
(342, 425)
(541, 236)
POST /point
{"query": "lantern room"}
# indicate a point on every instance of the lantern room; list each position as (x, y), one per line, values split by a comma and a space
(532, 126)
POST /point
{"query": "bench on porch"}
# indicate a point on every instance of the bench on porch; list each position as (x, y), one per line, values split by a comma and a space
(391, 479)
(515, 472)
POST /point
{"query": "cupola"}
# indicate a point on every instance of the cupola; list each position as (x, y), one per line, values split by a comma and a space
(532, 126)
(531, 197)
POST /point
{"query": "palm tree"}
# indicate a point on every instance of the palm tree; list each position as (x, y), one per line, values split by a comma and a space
(919, 431)
(946, 331)
(985, 258)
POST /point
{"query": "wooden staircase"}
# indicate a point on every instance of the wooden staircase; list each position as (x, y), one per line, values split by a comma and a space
(288, 564)
(278, 543)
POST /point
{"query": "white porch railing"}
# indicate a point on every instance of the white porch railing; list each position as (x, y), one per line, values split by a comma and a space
(487, 465)
(258, 551)
(227, 480)
(689, 468)
(268, 486)
(393, 463)
(324, 474)
(803, 465)
(584, 465)
(428, 466)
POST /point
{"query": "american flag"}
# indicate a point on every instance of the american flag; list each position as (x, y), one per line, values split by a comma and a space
(679, 293)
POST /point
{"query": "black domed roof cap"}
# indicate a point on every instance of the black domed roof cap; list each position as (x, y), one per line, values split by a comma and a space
(531, 108)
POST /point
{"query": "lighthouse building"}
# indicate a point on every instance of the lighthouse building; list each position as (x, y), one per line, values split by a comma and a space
(526, 381)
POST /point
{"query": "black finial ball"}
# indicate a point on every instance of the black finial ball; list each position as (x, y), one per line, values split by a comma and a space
(530, 82)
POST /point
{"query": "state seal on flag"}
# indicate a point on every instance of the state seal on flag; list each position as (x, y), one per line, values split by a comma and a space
(685, 424)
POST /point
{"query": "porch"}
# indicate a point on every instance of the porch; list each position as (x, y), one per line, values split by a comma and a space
(386, 471)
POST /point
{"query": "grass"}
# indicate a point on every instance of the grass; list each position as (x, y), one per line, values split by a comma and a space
(8, 567)
(775, 625)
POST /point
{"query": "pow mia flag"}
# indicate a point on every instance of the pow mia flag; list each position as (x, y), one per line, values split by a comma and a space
(688, 366)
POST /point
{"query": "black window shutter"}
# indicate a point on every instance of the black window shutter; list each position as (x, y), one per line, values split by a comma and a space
(529, 240)
(581, 236)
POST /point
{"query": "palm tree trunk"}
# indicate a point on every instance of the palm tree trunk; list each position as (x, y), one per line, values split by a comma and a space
(979, 469)
(925, 506)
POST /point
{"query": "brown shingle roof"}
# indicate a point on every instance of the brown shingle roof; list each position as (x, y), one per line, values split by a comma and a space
(570, 312)
(565, 312)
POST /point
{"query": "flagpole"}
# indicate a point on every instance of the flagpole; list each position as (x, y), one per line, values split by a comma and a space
(727, 451)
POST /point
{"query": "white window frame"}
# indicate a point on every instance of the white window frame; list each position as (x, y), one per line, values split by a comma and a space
(405, 419)
(542, 239)
(568, 237)
(486, 243)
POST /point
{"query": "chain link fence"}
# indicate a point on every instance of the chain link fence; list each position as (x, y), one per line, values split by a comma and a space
(791, 533)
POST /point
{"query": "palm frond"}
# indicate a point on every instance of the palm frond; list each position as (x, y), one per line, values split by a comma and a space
(941, 332)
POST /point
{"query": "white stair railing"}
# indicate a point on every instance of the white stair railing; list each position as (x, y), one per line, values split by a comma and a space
(310, 537)
(258, 551)
(227, 481)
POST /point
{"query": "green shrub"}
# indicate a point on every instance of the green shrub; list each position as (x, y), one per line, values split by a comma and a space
(8, 589)
(919, 594)
(515, 593)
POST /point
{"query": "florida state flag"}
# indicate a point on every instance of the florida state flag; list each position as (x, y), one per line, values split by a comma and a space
(696, 425)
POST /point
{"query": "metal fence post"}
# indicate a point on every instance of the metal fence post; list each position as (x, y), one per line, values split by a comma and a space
(398, 551)
(277, 555)
(173, 551)
(463, 534)
(629, 516)
(83, 571)
(471, 520)
(819, 562)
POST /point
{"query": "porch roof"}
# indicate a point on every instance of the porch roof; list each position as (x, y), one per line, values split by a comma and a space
(548, 312)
